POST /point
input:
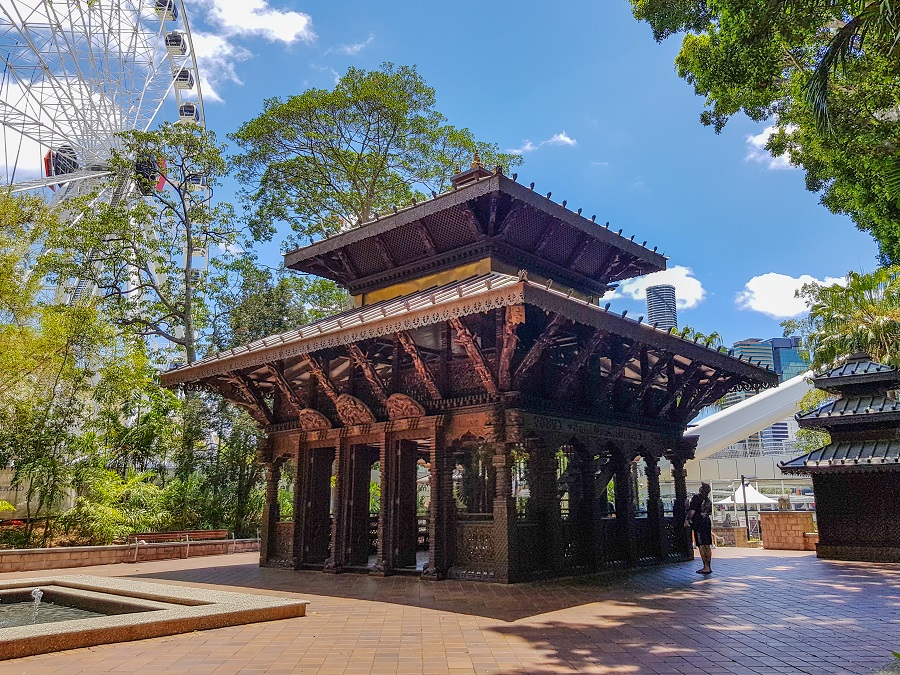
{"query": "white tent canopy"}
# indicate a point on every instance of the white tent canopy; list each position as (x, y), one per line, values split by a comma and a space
(753, 496)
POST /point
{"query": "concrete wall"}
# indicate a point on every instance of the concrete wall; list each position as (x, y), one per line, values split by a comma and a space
(785, 530)
(27, 559)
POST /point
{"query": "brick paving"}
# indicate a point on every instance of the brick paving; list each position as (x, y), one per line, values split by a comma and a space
(779, 612)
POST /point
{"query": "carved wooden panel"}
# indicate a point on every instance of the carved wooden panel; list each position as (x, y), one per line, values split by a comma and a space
(401, 406)
(464, 381)
(474, 550)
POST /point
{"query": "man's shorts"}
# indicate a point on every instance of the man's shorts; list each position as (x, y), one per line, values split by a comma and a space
(703, 532)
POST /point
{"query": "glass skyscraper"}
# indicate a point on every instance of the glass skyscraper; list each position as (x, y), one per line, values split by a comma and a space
(661, 308)
(783, 356)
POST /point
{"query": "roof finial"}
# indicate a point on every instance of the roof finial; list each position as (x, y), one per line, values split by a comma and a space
(476, 161)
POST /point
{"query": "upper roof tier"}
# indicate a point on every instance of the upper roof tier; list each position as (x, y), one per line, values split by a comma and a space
(859, 375)
(486, 216)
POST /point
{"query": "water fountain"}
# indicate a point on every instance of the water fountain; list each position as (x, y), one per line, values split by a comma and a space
(36, 596)
(45, 614)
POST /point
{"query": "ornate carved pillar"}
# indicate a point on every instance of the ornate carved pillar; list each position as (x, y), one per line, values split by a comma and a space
(625, 511)
(384, 505)
(682, 543)
(336, 560)
(440, 534)
(271, 513)
(504, 511)
(654, 504)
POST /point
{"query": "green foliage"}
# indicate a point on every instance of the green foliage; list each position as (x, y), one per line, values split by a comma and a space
(325, 160)
(375, 497)
(825, 73)
(863, 315)
(143, 256)
(286, 504)
(111, 507)
(712, 339)
(813, 439)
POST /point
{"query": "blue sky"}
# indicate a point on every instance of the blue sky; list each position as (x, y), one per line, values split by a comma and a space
(600, 115)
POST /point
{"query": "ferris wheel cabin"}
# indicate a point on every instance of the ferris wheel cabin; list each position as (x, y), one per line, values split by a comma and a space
(184, 78)
(189, 112)
(194, 182)
(166, 10)
(176, 43)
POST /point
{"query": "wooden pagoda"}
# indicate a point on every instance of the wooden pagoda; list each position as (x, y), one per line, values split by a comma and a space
(856, 477)
(470, 415)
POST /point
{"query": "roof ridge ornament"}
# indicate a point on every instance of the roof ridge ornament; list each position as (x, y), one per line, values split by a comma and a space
(474, 173)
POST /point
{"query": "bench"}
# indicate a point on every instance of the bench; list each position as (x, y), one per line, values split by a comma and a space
(185, 536)
(181, 535)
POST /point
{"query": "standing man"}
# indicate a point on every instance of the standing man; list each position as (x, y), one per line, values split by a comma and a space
(698, 519)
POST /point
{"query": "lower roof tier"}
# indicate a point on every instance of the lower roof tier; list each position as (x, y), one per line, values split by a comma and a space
(487, 337)
(844, 456)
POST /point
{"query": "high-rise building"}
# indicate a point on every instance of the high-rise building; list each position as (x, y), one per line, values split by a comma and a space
(789, 362)
(783, 356)
(661, 306)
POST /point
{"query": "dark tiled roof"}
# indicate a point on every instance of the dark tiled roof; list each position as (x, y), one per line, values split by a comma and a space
(845, 408)
(494, 216)
(848, 456)
(859, 368)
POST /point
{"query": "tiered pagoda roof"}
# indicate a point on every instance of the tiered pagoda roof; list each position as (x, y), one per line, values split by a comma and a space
(864, 423)
(489, 243)
(489, 217)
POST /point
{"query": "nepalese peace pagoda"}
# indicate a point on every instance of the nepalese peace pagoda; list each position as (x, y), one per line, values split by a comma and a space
(469, 417)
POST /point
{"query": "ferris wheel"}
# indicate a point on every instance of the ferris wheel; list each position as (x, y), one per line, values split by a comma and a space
(73, 75)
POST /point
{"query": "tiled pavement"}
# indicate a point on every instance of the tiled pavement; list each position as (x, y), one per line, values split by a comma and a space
(762, 611)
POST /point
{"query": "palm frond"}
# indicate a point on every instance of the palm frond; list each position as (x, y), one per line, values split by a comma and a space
(892, 178)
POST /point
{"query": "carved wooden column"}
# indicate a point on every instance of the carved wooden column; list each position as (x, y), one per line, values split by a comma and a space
(654, 505)
(336, 560)
(625, 512)
(586, 528)
(504, 511)
(271, 513)
(682, 543)
(440, 534)
(312, 506)
(302, 481)
(384, 506)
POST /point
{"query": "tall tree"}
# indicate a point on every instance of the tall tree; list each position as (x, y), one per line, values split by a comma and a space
(325, 160)
(825, 73)
(146, 257)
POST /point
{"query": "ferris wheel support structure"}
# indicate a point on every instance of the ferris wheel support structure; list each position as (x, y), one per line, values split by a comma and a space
(74, 75)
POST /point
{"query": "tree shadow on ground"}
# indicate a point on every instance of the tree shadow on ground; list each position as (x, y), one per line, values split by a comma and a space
(496, 601)
(752, 580)
(757, 615)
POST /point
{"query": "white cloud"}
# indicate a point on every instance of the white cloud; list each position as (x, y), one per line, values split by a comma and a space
(598, 163)
(352, 49)
(257, 17)
(689, 292)
(773, 294)
(756, 150)
(562, 138)
(216, 57)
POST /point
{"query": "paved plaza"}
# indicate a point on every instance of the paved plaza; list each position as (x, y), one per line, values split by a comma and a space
(762, 611)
